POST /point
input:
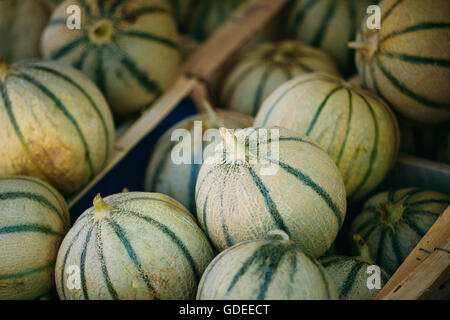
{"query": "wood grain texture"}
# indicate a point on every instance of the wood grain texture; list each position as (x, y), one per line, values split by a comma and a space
(421, 269)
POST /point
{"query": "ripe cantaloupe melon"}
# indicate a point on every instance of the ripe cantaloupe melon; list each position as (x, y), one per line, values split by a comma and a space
(407, 60)
(129, 48)
(56, 125)
(133, 245)
(178, 180)
(268, 269)
(262, 70)
(33, 221)
(296, 188)
(21, 26)
(351, 275)
(355, 127)
(329, 25)
(392, 223)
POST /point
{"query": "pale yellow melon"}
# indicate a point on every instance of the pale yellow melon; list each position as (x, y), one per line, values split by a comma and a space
(355, 127)
(329, 25)
(55, 125)
(407, 60)
(293, 186)
(268, 269)
(133, 245)
(262, 70)
(33, 221)
(129, 48)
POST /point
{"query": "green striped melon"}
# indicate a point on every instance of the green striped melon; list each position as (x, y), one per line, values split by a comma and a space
(129, 48)
(261, 71)
(269, 269)
(178, 180)
(407, 61)
(208, 15)
(328, 24)
(392, 223)
(33, 221)
(56, 125)
(240, 199)
(133, 245)
(355, 127)
(182, 9)
(351, 274)
(21, 25)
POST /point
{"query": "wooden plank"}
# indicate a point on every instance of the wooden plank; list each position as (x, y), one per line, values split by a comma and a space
(429, 280)
(245, 22)
(410, 171)
(181, 88)
(437, 237)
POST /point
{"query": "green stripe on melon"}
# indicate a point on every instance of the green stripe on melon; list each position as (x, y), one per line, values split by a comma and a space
(134, 246)
(57, 123)
(329, 25)
(355, 127)
(130, 49)
(178, 180)
(353, 275)
(392, 223)
(265, 270)
(263, 69)
(407, 60)
(237, 201)
(34, 219)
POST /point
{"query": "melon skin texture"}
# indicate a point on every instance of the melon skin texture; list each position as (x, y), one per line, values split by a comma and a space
(56, 125)
(350, 277)
(392, 223)
(265, 270)
(131, 50)
(355, 127)
(262, 70)
(241, 199)
(34, 219)
(133, 246)
(329, 25)
(165, 176)
(406, 61)
(21, 25)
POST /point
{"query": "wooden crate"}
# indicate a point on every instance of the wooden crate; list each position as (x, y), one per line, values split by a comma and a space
(425, 272)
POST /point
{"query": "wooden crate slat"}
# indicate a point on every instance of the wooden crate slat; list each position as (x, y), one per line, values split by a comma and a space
(438, 236)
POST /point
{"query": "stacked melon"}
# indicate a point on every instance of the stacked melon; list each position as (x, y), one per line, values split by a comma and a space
(177, 178)
(130, 49)
(21, 25)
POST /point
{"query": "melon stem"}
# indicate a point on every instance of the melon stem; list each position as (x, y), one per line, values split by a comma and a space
(101, 208)
(284, 236)
(369, 46)
(392, 212)
(213, 117)
(362, 249)
(102, 31)
(233, 145)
